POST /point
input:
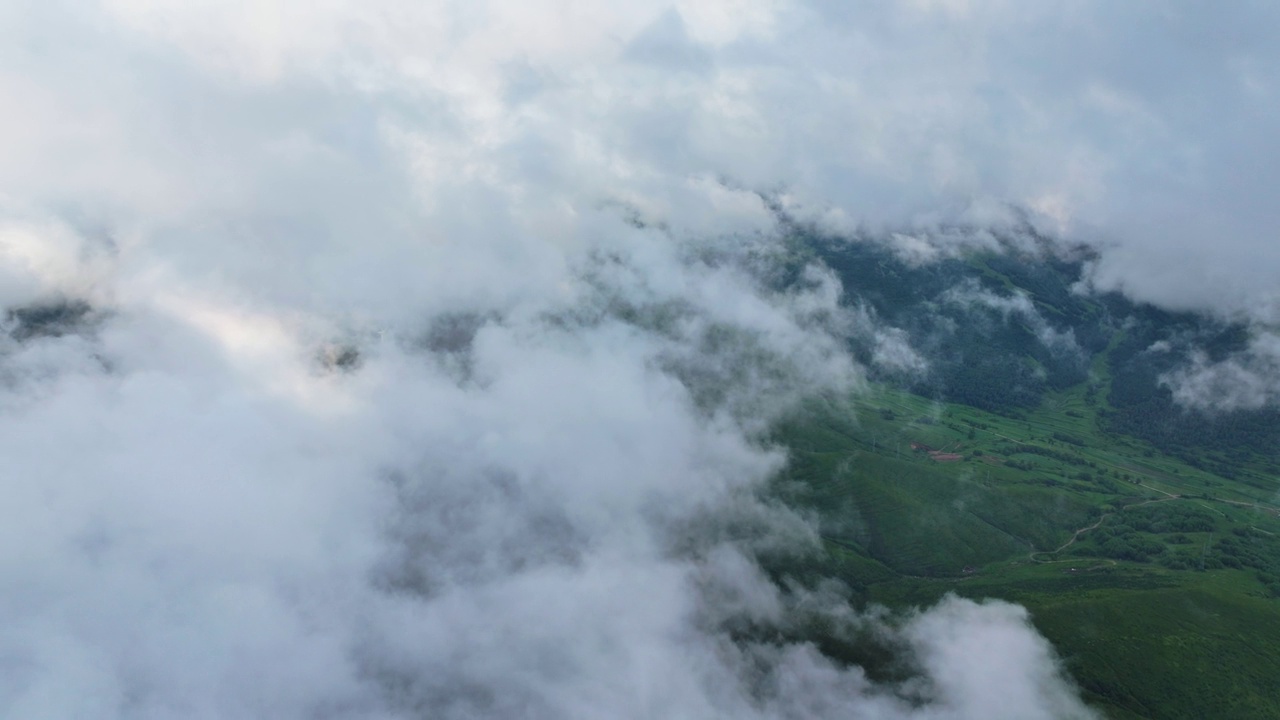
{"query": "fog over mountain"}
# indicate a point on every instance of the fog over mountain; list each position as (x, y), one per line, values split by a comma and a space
(415, 359)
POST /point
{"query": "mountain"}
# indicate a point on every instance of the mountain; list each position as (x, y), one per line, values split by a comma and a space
(1028, 439)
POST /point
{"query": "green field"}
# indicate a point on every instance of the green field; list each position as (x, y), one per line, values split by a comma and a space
(1158, 582)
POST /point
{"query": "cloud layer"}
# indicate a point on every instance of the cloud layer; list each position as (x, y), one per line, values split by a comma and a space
(373, 359)
(1147, 129)
(505, 513)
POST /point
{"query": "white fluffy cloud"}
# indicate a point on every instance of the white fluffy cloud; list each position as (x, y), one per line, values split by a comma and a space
(536, 223)
(475, 519)
(1147, 129)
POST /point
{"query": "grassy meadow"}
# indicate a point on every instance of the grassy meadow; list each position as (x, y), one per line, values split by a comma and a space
(1158, 582)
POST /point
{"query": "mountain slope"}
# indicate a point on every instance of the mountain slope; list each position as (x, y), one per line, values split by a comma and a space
(1041, 458)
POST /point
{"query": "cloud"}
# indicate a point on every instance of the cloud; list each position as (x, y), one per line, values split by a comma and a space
(1142, 130)
(539, 228)
(1246, 380)
(886, 348)
(238, 534)
(1019, 305)
(993, 637)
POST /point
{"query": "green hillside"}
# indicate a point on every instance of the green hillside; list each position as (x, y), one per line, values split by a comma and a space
(1143, 537)
(1004, 331)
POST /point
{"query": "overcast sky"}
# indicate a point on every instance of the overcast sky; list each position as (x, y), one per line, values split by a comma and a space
(204, 518)
(1143, 125)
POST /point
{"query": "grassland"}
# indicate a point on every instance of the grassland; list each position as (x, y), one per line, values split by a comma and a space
(1157, 581)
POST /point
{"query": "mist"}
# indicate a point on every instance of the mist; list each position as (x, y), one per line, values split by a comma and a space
(393, 360)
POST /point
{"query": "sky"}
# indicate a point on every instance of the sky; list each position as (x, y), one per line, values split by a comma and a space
(537, 231)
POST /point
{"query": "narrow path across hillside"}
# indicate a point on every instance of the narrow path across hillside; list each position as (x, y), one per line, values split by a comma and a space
(1076, 535)
(1163, 492)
